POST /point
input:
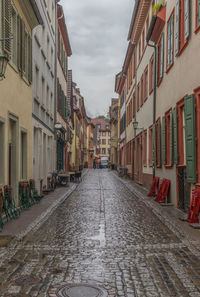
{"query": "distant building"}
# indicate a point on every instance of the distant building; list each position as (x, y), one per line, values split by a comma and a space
(101, 137)
(114, 112)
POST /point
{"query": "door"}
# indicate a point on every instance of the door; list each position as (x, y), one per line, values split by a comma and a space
(183, 190)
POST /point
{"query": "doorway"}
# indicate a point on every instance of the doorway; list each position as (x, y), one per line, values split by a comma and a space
(183, 190)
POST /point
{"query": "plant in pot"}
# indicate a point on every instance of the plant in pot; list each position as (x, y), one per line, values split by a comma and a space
(157, 7)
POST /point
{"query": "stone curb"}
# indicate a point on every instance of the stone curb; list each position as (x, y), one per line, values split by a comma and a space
(163, 217)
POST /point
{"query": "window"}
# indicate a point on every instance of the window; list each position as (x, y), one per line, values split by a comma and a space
(103, 133)
(103, 151)
(145, 148)
(158, 143)
(139, 49)
(47, 98)
(181, 133)
(170, 41)
(108, 133)
(143, 41)
(197, 15)
(37, 82)
(133, 105)
(103, 141)
(146, 83)
(151, 74)
(160, 69)
(142, 91)
(150, 146)
(5, 28)
(23, 166)
(42, 95)
(182, 24)
(138, 96)
(147, 24)
(169, 144)
(14, 34)
(2, 152)
(109, 141)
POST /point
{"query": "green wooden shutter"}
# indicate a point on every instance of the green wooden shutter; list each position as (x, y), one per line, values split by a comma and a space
(19, 31)
(171, 38)
(190, 138)
(154, 145)
(6, 25)
(163, 140)
(198, 12)
(23, 47)
(162, 56)
(187, 18)
(177, 28)
(171, 139)
(168, 44)
(29, 59)
(175, 132)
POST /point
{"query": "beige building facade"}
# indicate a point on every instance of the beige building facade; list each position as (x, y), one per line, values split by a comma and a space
(16, 101)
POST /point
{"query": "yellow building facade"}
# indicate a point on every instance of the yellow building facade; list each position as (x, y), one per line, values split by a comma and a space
(16, 93)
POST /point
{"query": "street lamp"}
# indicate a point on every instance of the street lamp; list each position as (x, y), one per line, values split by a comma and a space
(3, 64)
(135, 125)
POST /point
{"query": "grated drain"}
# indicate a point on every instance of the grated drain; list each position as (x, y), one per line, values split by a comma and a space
(77, 290)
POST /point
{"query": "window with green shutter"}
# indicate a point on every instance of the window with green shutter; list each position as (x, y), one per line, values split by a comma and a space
(170, 40)
(175, 134)
(187, 18)
(14, 34)
(163, 140)
(198, 13)
(177, 26)
(190, 137)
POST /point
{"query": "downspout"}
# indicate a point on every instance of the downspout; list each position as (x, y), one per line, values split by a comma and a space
(154, 100)
(55, 80)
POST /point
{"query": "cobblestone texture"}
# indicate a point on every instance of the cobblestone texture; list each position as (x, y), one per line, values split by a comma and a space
(102, 234)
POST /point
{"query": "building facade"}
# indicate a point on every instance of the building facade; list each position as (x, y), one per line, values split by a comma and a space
(160, 133)
(63, 107)
(90, 143)
(43, 94)
(102, 137)
(114, 130)
(18, 20)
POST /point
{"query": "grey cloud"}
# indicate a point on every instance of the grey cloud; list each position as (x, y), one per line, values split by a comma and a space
(98, 35)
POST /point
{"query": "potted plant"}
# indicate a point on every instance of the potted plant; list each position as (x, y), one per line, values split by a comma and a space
(157, 7)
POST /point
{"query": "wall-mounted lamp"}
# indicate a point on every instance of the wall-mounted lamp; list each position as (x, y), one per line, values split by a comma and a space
(135, 125)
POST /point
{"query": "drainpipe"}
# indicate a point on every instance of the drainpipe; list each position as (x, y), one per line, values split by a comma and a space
(154, 99)
(55, 82)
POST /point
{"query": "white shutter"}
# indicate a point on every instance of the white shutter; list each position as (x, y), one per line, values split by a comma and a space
(162, 56)
(187, 19)
(177, 27)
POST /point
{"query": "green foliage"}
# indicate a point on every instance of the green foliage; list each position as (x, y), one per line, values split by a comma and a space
(158, 6)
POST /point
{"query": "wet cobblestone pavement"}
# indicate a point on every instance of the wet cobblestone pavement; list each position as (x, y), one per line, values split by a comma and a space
(104, 235)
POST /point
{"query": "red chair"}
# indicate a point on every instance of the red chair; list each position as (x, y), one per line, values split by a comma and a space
(154, 186)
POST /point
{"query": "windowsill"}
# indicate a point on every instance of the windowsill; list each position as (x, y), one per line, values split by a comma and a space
(183, 48)
(168, 166)
(151, 91)
(181, 165)
(170, 67)
(197, 30)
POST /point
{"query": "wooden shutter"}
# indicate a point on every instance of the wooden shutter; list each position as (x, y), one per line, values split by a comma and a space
(177, 28)
(168, 44)
(159, 142)
(190, 138)
(171, 139)
(154, 145)
(29, 59)
(162, 56)
(156, 59)
(175, 132)
(163, 140)
(171, 38)
(23, 47)
(6, 26)
(19, 31)
(198, 12)
(187, 19)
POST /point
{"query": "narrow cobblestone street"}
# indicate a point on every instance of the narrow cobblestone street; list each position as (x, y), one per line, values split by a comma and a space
(103, 235)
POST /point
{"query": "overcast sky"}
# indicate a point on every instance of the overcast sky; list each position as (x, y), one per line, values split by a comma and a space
(98, 31)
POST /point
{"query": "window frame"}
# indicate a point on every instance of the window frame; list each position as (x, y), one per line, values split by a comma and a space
(169, 66)
(197, 26)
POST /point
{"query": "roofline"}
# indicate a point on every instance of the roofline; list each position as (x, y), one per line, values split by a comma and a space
(135, 10)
